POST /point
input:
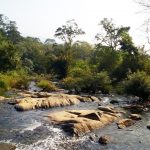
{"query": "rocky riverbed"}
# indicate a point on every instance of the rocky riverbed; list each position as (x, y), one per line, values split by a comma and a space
(96, 118)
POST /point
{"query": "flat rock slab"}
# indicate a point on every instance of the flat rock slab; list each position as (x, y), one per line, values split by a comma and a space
(81, 121)
(50, 100)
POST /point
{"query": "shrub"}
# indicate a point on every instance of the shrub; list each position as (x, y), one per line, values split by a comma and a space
(17, 79)
(102, 82)
(4, 85)
(13, 79)
(46, 85)
(89, 83)
(138, 84)
(119, 88)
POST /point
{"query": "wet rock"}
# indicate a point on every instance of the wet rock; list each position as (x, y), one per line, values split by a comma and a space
(25, 94)
(148, 126)
(104, 139)
(135, 117)
(49, 101)
(106, 108)
(92, 137)
(42, 95)
(145, 109)
(136, 107)
(12, 102)
(125, 123)
(7, 146)
(93, 98)
(81, 121)
(114, 102)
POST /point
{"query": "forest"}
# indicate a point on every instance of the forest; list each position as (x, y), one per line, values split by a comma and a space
(114, 64)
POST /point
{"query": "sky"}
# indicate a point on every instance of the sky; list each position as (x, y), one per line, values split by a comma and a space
(40, 18)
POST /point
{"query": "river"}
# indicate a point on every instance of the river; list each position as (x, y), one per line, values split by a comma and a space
(30, 130)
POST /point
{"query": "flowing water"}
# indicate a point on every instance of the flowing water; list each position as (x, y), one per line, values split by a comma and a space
(30, 130)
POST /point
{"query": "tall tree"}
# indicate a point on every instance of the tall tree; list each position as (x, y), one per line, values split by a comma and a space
(110, 35)
(68, 32)
(12, 32)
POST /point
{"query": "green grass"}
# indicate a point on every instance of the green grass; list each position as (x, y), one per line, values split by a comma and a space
(46, 85)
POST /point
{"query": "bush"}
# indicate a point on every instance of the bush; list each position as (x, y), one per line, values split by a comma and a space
(89, 83)
(102, 82)
(13, 79)
(4, 85)
(46, 85)
(138, 84)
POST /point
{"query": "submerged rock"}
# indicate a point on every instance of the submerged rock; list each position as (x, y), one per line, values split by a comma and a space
(114, 101)
(104, 139)
(81, 121)
(125, 123)
(148, 126)
(7, 146)
(48, 101)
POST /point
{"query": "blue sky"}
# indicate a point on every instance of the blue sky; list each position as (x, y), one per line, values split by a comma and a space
(40, 18)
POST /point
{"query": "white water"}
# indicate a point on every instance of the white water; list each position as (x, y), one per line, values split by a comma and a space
(34, 124)
(32, 87)
(54, 142)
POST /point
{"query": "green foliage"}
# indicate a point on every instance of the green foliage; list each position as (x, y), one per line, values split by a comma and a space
(46, 85)
(81, 50)
(82, 81)
(8, 30)
(33, 55)
(68, 32)
(106, 59)
(60, 67)
(138, 84)
(4, 85)
(127, 44)
(110, 35)
(9, 56)
(82, 66)
(13, 79)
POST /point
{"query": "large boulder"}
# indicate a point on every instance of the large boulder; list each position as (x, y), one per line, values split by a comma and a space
(49, 101)
(81, 121)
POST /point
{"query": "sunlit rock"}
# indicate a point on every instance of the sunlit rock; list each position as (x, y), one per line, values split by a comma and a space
(47, 100)
(125, 123)
(81, 121)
